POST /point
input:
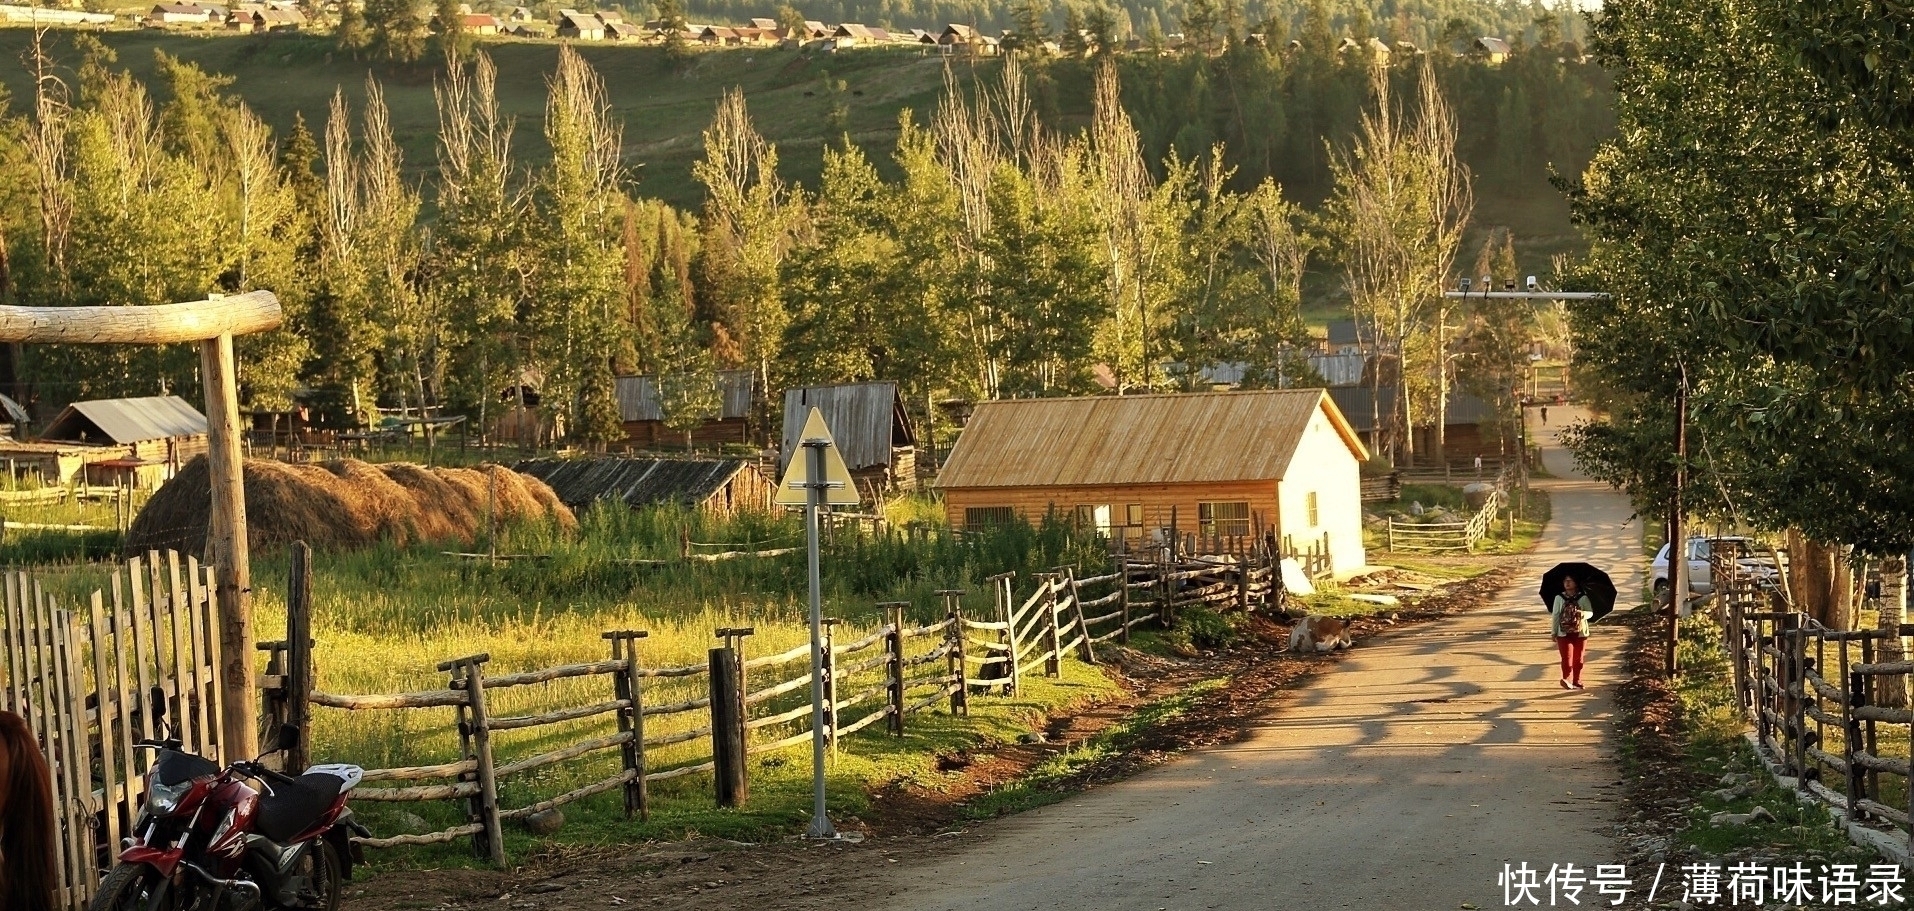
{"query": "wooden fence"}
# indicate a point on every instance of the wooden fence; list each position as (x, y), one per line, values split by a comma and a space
(1814, 698)
(1446, 537)
(659, 723)
(85, 677)
(1384, 488)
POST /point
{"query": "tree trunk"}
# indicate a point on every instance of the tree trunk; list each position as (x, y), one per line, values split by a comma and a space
(1820, 581)
(1442, 386)
(1892, 688)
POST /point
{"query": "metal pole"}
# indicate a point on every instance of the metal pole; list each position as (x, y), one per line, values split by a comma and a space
(814, 494)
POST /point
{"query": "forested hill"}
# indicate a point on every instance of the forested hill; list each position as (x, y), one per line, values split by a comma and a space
(1426, 23)
(1274, 114)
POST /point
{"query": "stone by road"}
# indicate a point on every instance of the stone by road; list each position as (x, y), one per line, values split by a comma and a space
(1403, 777)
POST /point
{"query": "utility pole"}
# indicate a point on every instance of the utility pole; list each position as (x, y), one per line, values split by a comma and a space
(1677, 539)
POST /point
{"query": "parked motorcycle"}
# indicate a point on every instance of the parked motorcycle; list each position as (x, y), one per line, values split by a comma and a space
(241, 838)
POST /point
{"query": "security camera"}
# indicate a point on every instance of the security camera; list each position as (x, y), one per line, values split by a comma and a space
(1509, 286)
(1488, 283)
(1534, 285)
(1465, 286)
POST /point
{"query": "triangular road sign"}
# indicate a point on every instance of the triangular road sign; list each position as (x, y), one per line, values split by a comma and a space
(791, 489)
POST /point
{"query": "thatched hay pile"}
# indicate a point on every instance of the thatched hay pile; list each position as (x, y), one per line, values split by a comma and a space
(346, 503)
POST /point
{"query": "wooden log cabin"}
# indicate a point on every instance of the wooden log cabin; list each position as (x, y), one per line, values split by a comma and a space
(870, 426)
(143, 441)
(642, 411)
(1218, 464)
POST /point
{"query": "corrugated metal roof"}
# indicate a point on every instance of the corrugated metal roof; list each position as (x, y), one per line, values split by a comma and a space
(1338, 369)
(635, 482)
(14, 412)
(1355, 404)
(638, 396)
(1136, 439)
(126, 420)
(866, 419)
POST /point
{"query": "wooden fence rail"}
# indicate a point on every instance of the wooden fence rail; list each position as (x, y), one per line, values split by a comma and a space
(1446, 537)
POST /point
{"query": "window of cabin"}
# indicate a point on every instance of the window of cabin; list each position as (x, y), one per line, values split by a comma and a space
(1133, 515)
(1223, 519)
(987, 516)
(1097, 517)
(1309, 504)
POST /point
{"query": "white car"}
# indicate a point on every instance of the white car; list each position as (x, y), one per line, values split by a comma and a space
(1701, 571)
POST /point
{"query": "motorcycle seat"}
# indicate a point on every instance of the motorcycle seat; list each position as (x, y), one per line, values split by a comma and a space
(292, 808)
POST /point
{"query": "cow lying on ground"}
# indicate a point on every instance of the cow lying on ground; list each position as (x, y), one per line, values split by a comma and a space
(1321, 634)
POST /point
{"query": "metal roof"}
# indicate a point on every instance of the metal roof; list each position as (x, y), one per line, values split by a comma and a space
(156, 417)
(14, 412)
(638, 396)
(867, 421)
(1355, 405)
(1338, 369)
(635, 482)
(1137, 439)
(1343, 332)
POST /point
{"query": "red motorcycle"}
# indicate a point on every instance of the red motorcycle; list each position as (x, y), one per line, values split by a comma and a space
(208, 839)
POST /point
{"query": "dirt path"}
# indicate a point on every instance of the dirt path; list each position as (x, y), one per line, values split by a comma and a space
(1403, 778)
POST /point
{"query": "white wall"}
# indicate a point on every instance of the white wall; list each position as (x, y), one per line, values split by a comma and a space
(1324, 465)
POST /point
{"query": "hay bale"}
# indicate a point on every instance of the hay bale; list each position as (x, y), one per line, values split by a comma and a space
(346, 503)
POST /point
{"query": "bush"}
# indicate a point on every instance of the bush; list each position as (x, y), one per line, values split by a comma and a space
(1202, 628)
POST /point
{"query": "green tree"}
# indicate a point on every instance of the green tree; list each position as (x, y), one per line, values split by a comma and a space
(453, 41)
(395, 30)
(747, 231)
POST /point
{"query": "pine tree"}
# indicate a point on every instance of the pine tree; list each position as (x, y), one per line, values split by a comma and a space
(351, 34)
(453, 41)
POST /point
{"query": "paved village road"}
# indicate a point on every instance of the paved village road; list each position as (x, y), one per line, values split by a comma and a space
(1401, 778)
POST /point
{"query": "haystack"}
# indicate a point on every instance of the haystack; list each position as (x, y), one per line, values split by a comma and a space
(346, 503)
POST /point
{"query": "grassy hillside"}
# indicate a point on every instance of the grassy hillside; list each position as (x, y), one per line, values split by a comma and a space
(664, 111)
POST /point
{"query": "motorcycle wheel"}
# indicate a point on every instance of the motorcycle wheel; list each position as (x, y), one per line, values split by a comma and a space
(320, 866)
(135, 887)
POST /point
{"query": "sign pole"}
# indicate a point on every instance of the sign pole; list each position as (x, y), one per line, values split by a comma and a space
(815, 485)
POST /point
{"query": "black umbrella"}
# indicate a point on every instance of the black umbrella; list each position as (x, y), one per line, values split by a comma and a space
(1594, 583)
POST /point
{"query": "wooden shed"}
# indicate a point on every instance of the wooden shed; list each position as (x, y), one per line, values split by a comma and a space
(872, 430)
(158, 432)
(642, 411)
(721, 486)
(1472, 423)
(1227, 463)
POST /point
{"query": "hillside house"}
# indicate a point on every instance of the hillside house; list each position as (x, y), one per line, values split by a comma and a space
(963, 40)
(580, 26)
(481, 24)
(853, 34)
(1218, 464)
(520, 15)
(764, 25)
(870, 426)
(718, 486)
(187, 14)
(720, 36)
(642, 410)
(625, 31)
(1343, 336)
(1490, 50)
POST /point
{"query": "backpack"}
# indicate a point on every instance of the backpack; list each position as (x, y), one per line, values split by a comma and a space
(1574, 625)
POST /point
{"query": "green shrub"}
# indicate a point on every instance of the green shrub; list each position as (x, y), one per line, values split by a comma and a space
(1202, 628)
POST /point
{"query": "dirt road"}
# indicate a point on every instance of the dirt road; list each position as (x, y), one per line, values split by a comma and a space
(1403, 778)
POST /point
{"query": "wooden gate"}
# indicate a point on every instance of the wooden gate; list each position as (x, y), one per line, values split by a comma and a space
(85, 674)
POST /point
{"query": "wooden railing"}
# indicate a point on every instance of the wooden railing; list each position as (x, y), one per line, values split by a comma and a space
(1446, 537)
(1814, 697)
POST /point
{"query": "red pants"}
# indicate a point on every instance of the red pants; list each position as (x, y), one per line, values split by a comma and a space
(1571, 650)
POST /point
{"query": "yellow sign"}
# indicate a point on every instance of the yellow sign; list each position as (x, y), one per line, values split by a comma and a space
(791, 489)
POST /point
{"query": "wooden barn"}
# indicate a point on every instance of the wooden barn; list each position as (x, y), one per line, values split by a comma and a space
(642, 411)
(872, 430)
(1228, 463)
(1472, 424)
(720, 486)
(145, 439)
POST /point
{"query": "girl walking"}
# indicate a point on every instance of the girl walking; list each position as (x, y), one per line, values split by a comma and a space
(1570, 615)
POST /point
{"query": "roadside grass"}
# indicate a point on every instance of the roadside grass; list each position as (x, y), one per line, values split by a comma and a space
(1715, 747)
(1050, 781)
(384, 616)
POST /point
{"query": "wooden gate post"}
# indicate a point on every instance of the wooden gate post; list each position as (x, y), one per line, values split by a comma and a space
(626, 688)
(894, 665)
(1001, 593)
(299, 645)
(1089, 648)
(1850, 730)
(468, 674)
(727, 740)
(212, 324)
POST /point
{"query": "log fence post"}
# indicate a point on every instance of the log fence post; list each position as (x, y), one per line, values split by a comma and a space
(894, 666)
(1083, 620)
(1122, 566)
(299, 646)
(734, 637)
(727, 740)
(954, 652)
(627, 688)
(1869, 734)
(1053, 640)
(475, 731)
(1854, 697)
(1006, 601)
